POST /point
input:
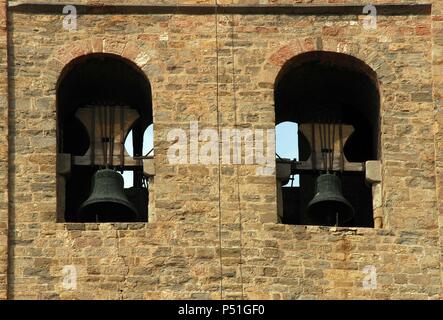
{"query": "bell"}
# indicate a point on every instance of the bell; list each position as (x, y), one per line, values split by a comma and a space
(107, 202)
(329, 207)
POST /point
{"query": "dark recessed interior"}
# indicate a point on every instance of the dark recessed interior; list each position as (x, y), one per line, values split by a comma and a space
(319, 86)
(98, 79)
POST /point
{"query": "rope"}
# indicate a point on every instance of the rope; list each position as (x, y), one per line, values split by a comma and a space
(330, 145)
(122, 138)
(102, 132)
(342, 160)
(321, 128)
(219, 153)
(314, 155)
(333, 146)
(327, 128)
(111, 137)
(93, 125)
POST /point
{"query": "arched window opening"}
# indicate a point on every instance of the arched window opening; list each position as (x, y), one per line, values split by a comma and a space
(100, 99)
(334, 99)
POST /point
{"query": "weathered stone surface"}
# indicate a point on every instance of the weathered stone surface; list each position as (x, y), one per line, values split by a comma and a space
(213, 234)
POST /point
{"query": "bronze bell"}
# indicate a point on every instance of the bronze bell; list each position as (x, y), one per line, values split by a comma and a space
(329, 207)
(107, 202)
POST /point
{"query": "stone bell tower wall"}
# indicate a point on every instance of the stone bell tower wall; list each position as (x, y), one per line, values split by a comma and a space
(212, 230)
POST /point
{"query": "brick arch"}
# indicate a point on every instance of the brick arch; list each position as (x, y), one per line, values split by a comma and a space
(129, 50)
(366, 54)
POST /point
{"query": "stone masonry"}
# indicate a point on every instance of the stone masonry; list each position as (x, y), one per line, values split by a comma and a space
(212, 230)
